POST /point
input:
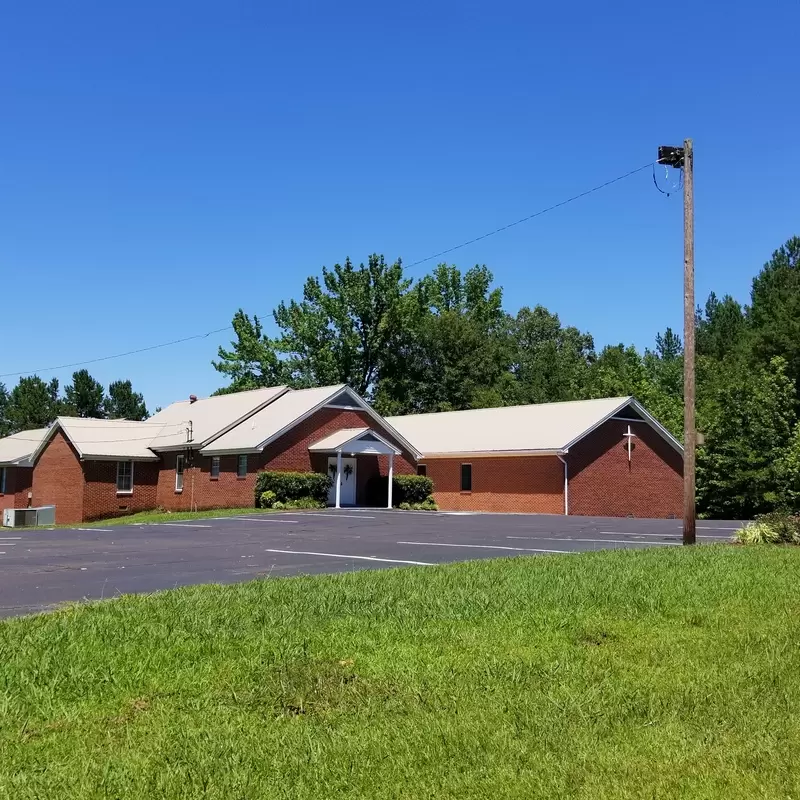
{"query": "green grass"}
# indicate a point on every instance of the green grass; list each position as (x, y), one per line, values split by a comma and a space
(666, 673)
(165, 516)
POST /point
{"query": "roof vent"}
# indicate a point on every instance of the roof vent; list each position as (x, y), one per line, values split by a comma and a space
(192, 398)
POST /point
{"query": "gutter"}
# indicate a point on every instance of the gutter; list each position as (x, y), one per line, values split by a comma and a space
(566, 483)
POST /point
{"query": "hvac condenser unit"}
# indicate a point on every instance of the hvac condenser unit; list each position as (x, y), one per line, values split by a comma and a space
(28, 517)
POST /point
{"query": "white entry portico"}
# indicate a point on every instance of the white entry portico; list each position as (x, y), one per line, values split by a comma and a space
(343, 447)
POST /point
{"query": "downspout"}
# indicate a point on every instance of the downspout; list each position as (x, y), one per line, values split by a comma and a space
(566, 484)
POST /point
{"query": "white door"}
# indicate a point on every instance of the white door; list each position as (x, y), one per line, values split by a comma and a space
(348, 481)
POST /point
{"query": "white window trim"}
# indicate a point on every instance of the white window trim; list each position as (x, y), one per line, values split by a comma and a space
(182, 460)
(215, 460)
(124, 491)
(3, 478)
(239, 466)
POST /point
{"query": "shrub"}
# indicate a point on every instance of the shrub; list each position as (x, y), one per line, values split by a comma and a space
(428, 504)
(305, 502)
(405, 489)
(288, 486)
(268, 499)
(772, 528)
(411, 488)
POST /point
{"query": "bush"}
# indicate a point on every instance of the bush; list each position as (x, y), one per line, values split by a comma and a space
(268, 499)
(409, 489)
(294, 486)
(772, 528)
(428, 504)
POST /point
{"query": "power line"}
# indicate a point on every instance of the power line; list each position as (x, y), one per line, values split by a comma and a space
(116, 355)
(531, 216)
(270, 314)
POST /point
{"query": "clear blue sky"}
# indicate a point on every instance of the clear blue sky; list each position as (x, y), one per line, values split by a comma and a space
(165, 163)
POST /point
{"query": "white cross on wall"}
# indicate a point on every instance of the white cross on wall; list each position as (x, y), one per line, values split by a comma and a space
(629, 436)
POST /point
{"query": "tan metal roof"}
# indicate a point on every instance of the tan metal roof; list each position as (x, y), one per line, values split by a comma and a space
(107, 439)
(547, 427)
(209, 416)
(355, 440)
(337, 439)
(19, 447)
(274, 419)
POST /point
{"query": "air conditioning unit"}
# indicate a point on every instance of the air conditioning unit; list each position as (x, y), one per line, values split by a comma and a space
(19, 517)
(28, 517)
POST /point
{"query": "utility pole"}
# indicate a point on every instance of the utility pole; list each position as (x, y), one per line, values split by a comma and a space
(683, 158)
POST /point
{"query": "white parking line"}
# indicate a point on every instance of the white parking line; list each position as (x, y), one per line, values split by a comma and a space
(662, 535)
(338, 516)
(187, 524)
(491, 547)
(9, 538)
(718, 528)
(258, 519)
(101, 530)
(578, 539)
(360, 558)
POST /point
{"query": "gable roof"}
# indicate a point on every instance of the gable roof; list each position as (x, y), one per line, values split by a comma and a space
(105, 439)
(17, 449)
(540, 428)
(210, 417)
(363, 440)
(288, 410)
(258, 430)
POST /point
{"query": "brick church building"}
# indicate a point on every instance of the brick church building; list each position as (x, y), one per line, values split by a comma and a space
(605, 457)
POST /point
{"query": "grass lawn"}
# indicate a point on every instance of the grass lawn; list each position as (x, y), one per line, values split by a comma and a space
(652, 674)
(164, 516)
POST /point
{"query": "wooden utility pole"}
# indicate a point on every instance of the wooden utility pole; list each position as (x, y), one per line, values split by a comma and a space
(683, 158)
(689, 426)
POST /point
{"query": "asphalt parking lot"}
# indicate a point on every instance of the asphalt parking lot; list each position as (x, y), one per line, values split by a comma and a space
(40, 569)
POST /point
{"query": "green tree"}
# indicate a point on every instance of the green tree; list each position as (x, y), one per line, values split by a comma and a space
(774, 313)
(788, 474)
(338, 332)
(551, 362)
(84, 396)
(5, 422)
(33, 404)
(721, 329)
(452, 349)
(252, 362)
(122, 402)
(749, 421)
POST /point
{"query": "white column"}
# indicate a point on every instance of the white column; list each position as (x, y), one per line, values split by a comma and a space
(391, 475)
(338, 479)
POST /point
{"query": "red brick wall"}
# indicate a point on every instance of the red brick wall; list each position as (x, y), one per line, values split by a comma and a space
(100, 498)
(289, 453)
(603, 483)
(18, 484)
(529, 484)
(58, 480)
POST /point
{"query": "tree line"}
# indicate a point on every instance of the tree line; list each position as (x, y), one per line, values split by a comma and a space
(445, 342)
(33, 403)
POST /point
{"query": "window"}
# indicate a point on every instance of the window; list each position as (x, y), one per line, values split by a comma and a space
(179, 464)
(124, 477)
(214, 467)
(466, 477)
(422, 469)
(241, 471)
(2, 480)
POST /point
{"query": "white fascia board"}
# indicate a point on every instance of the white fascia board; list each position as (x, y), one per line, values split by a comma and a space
(491, 454)
(647, 419)
(345, 445)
